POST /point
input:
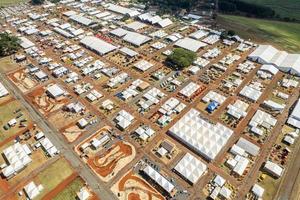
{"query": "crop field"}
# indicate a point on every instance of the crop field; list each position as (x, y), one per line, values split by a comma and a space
(10, 2)
(283, 35)
(53, 175)
(70, 191)
(8, 113)
(286, 8)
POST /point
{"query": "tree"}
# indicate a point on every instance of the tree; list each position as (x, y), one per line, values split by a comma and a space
(37, 2)
(8, 44)
(231, 32)
(181, 58)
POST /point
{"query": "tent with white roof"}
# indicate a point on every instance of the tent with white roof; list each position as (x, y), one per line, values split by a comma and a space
(190, 168)
(201, 136)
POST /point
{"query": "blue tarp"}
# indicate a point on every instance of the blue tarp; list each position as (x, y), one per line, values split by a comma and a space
(212, 106)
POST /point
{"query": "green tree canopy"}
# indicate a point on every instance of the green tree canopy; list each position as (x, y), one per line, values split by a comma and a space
(181, 58)
(8, 44)
(37, 2)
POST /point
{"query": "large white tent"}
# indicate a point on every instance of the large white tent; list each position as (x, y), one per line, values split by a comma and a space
(17, 156)
(122, 10)
(190, 168)
(190, 44)
(267, 54)
(159, 179)
(203, 137)
(294, 118)
(97, 45)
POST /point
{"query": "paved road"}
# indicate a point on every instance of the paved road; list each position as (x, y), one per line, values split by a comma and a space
(66, 150)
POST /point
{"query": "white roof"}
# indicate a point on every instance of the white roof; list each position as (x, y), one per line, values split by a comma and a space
(267, 54)
(31, 190)
(3, 90)
(201, 136)
(258, 190)
(159, 179)
(128, 52)
(274, 105)
(69, 13)
(26, 43)
(190, 168)
(225, 192)
(214, 96)
(294, 118)
(250, 93)
(83, 194)
(263, 119)
(122, 10)
(190, 44)
(219, 180)
(165, 22)
(136, 39)
(198, 34)
(264, 52)
(17, 157)
(135, 25)
(241, 165)
(273, 168)
(97, 45)
(189, 89)
(55, 90)
(120, 32)
(269, 68)
(81, 19)
(248, 146)
(143, 65)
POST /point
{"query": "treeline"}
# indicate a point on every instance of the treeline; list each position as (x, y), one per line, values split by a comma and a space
(238, 6)
(171, 4)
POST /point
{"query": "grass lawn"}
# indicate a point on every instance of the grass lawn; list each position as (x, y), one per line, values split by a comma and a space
(271, 185)
(6, 63)
(53, 175)
(10, 2)
(283, 35)
(69, 193)
(7, 113)
(285, 8)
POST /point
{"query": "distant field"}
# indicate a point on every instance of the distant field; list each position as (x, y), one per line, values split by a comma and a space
(285, 36)
(10, 2)
(285, 8)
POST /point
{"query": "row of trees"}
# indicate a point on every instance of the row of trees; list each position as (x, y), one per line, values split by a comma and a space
(181, 58)
(171, 4)
(8, 44)
(235, 6)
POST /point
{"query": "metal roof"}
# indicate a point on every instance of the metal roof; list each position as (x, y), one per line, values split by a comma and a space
(97, 45)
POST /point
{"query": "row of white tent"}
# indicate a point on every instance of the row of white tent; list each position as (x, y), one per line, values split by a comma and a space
(267, 54)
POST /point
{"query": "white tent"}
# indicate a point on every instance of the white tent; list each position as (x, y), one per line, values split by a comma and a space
(201, 136)
(159, 179)
(190, 168)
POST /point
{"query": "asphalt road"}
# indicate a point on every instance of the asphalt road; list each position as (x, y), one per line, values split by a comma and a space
(65, 149)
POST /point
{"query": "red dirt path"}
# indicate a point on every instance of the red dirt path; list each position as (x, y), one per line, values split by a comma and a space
(150, 191)
(106, 168)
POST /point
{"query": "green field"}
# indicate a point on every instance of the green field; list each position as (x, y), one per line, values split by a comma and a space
(6, 114)
(283, 35)
(70, 192)
(285, 8)
(54, 175)
(10, 2)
